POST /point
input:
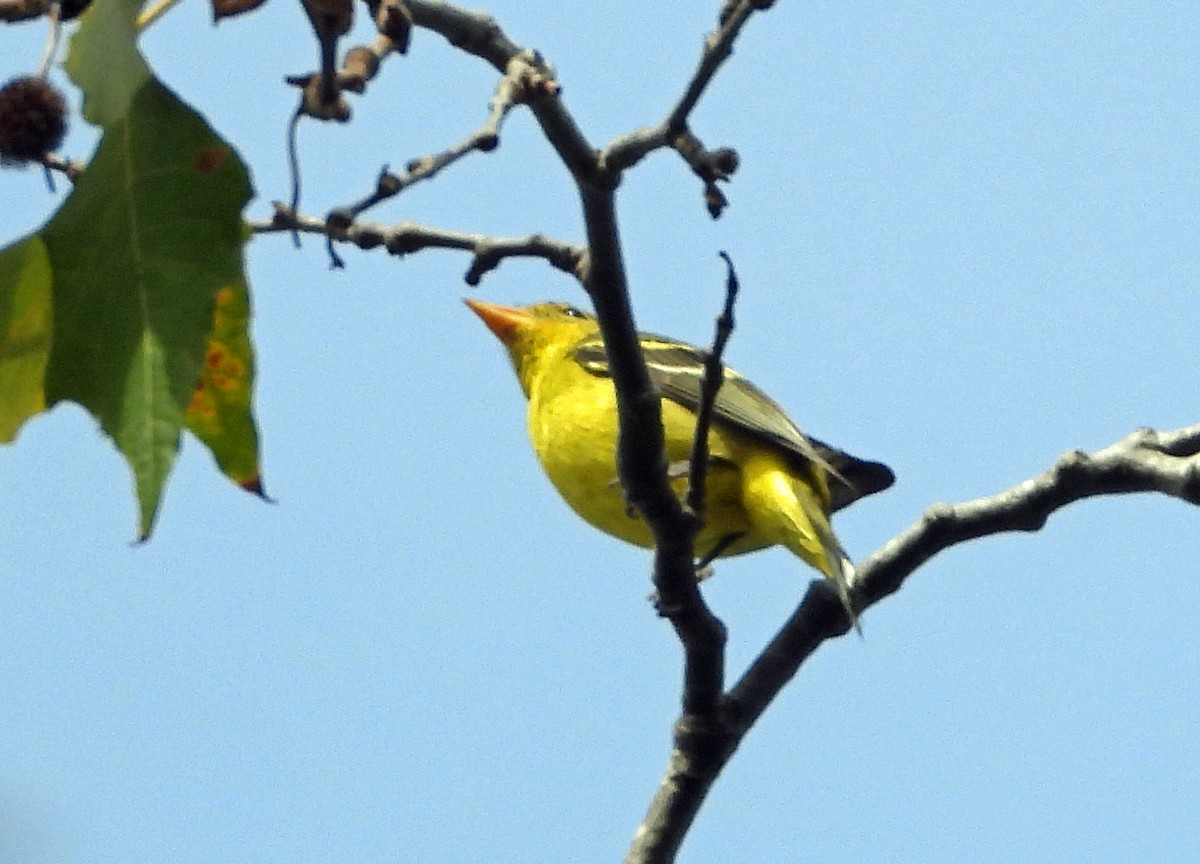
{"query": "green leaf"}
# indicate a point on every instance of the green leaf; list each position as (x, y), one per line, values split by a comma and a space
(104, 60)
(139, 254)
(132, 300)
(25, 328)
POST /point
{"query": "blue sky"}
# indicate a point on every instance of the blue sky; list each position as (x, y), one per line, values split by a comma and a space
(967, 240)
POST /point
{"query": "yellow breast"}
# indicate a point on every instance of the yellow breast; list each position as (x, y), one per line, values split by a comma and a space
(573, 426)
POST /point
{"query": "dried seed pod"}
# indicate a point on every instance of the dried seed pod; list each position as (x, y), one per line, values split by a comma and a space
(69, 9)
(33, 120)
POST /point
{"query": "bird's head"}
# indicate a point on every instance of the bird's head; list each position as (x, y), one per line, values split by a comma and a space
(535, 335)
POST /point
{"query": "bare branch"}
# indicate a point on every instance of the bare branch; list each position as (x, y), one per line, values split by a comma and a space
(362, 64)
(331, 19)
(718, 47)
(479, 34)
(1145, 461)
(699, 754)
(642, 465)
(714, 377)
(510, 90)
(474, 32)
(12, 11)
(629, 149)
(68, 168)
(229, 8)
(710, 166)
(407, 237)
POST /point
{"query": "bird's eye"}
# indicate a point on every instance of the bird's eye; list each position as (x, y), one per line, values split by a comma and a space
(572, 312)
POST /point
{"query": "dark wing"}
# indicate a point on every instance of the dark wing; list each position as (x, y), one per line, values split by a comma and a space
(678, 372)
(853, 478)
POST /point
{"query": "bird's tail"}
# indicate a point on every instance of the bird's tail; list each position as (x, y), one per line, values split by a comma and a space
(843, 579)
(793, 511)
(837, 566)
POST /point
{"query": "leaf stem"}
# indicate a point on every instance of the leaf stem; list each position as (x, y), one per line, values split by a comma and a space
(153, 13)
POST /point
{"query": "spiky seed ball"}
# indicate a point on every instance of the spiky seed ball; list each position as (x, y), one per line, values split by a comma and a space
(33, 120)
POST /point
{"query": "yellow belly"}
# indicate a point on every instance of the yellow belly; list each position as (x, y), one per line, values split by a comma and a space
(575, 440)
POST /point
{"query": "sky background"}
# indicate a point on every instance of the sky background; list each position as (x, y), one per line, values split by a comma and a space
(967, 239)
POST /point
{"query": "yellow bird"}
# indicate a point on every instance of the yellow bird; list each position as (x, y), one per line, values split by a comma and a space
(768, 484)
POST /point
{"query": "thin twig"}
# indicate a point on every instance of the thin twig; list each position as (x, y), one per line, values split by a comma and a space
(1145, 461)
(480, 35)
(640, 452)
(69, 169)
(718, 47)
(711, 166)
(51, 40)
(509, 91)
(12, 11)
(714, 377)
(628, 149)
(476, 33)
(487, 252)
(293, 156)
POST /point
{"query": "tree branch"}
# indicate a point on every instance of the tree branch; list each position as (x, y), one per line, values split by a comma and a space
(68, 168)
(710, 166)
(511, 89)
(641, 460)
(12, 11)
(718, 47)
(714, 377)
(640, 453)
(407, 237)
(330, 19)
(1145, 461)
(480, 35)
(642, 465)
(474, 32)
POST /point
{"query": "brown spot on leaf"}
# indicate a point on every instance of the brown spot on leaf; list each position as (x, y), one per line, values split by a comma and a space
(210, 159)
(225, 297)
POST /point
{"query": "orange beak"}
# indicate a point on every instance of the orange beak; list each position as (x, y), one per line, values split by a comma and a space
(504, 321)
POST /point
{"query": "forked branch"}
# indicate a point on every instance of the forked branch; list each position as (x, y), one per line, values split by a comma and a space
(1145, 461)
(406, 238)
